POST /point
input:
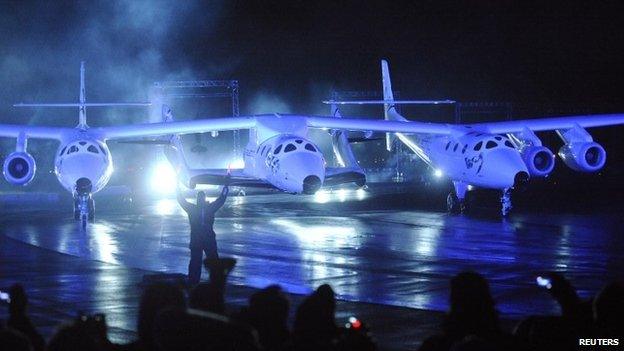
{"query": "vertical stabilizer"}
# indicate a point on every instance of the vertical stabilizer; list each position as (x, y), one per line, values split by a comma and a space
(390, 112)
(82, 112)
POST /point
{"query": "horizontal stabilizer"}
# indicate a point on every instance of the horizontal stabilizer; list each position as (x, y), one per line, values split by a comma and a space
(395, 102)
(86, 104)
(337, 176)
(232, 177)
(363, 139)
(145, 142)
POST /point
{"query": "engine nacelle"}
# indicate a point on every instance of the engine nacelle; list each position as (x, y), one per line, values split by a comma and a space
(19, 168)
(539, 160)
(583, 156)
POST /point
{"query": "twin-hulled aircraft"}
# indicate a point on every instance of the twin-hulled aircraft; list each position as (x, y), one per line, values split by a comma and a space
(494, 155)
(280, 154)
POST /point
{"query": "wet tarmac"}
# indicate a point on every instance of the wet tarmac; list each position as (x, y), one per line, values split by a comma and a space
(370, 246)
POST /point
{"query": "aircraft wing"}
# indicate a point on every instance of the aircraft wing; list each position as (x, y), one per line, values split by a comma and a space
(233, 177)
(362, 124)
(38, 132)
(342, 175)
(177, 127)
(553, 123)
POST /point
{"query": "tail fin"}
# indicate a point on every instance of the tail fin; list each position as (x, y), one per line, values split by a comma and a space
(341, 146)
(82, 112)
(390, 112)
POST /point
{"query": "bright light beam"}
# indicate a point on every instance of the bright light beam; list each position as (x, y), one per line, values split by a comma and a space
(163, 179)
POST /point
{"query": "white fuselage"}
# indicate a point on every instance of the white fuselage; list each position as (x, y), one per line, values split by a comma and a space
(279, 153)
(474, 158)
(83, 156)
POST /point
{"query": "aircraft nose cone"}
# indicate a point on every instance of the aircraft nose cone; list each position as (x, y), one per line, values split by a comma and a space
(311, 184)
(521, 179)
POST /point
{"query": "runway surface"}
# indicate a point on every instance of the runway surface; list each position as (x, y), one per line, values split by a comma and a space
(370, 247)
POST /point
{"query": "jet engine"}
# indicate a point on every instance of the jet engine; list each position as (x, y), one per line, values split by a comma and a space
(539, 160)
(583, 156)
(19, 168)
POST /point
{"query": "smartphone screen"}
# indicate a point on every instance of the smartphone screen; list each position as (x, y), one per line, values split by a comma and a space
(5, 297)
(543, 282)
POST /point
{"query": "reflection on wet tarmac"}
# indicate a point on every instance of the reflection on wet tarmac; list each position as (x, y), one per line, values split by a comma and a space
(380, 254)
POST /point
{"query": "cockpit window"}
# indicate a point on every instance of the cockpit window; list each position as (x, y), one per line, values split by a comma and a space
(298, 141)
(455, 148)
(93, 149)
(72, 149)
(310, 147)
(478, 146)
(83, 143)
(277, 150)
(63, 151)
(464, 149)
(491, 144)
(290, 147)
(509, 144)
(498, 138)
(447, 145)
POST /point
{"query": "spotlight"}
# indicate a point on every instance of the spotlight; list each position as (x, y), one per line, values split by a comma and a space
(237, 164)
(438, 173)
(163, 179)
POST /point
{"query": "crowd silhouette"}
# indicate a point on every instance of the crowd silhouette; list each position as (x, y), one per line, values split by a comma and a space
(167, 320)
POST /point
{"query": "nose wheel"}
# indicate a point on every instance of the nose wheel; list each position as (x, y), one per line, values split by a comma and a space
(506, 204)
(84, 209)
(456, 200)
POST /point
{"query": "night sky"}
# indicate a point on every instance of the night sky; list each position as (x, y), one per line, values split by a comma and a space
(289, 55)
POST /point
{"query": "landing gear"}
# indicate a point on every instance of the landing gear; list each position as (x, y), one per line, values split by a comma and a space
(506, 205)
(84, 206)
(453, 204)
(456, 201)
(91, 207)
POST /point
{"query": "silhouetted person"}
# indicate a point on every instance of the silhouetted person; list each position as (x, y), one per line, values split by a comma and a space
(315, 326)
(18, 318)
(268, 313)
(193, 330)
(558, 332)
(203, 240)
(74, 338)
(155, 298)
(210, 296)
(13, 340)
(472, 313)
(609, 311)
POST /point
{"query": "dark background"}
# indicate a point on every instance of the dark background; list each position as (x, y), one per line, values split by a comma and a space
(556, 58)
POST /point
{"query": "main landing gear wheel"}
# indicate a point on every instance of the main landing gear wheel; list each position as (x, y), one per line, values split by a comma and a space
(91, 210)
(506, 205)
(453, 205)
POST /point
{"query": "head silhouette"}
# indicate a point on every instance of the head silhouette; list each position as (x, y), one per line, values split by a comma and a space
(314, 320)
(472, 306)
(201, 198)
(268, 313)
(609, 309)
(156, 298)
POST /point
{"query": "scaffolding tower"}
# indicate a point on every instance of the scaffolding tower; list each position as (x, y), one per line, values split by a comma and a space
(187, 89)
